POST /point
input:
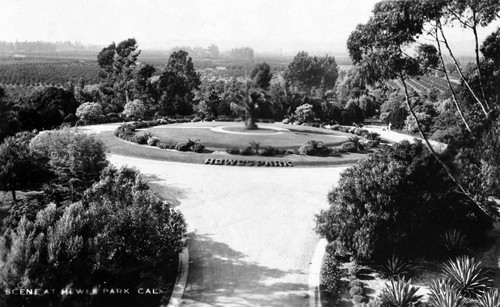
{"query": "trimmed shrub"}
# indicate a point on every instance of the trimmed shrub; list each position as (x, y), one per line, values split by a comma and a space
(153, 141)
(314, 148)
(161, 121)
(247, 151)
(305, 113)
(233, 151)
(184, 146)
(89, 112)
(266, 151)
(198, 148)
(141, 139)
(134, 108)
(331, 275)
(349, 147)
(166, 145)
(124, 129)
(372, 144)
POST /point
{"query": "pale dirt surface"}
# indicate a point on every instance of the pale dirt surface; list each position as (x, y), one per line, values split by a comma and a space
(252, 229)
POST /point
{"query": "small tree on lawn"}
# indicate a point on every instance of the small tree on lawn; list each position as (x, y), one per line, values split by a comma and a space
(305, 113)
(89, 112)
(19, 168)
(134, 109)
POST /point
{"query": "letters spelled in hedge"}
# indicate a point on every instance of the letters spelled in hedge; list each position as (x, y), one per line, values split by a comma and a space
(248, 163)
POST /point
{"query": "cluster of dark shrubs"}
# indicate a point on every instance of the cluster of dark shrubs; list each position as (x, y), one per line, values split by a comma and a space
(314, 148)
(127, 133)
(255, 149)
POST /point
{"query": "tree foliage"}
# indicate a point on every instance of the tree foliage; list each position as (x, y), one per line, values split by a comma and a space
(177, 82)
(89, 112)
(19, 167)
(46, 108)
(118, 63)
(75, 159)
(308, 72)
(396, 201)
(118, 230)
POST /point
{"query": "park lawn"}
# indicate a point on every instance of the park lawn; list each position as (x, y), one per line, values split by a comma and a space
(118, 146)
(296, 136)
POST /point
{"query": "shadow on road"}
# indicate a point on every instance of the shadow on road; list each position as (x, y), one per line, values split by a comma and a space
(220, 276)
(164, 190)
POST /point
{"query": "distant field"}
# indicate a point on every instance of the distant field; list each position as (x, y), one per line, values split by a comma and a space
(57, 69)
(423, 84)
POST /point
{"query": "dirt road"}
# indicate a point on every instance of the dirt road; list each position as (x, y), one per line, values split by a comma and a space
(252, 229)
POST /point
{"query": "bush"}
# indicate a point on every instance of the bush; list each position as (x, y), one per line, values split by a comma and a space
(331, 275)
(395, 268)
(75, 159)
(372, 144)
(141, 139)
(356, 290)
(134, 109)
(82, 245)
(161, 121)
(355, 283)
(358, 299)
(349, 147)
(305, 113)
(455, 243)
(467, 276)
(89, 112)
(400, 293)
(198, 148)
(153, 141)
(314, 148)
(395, 202)
(490, 298)
(443, 293)
(233, 151)
(124, 129)
(184, 146)
(166, 145)
(266, 151)
(247, 151)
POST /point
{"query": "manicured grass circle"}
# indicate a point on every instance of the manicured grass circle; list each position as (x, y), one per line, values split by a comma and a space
(288, 136)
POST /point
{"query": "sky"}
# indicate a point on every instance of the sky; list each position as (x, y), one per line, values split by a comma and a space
(266, 25)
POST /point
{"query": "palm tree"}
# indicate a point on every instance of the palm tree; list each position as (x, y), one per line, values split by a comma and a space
(248, 99)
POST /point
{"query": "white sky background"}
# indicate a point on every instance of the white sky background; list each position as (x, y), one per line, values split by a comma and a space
(266, 25)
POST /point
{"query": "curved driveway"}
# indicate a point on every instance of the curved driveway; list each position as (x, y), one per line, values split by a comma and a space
(252, 229)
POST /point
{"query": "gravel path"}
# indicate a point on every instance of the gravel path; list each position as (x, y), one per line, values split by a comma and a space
(252, 237)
